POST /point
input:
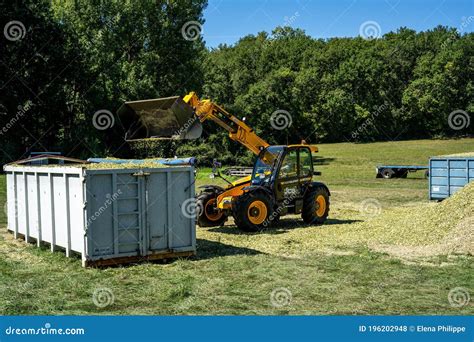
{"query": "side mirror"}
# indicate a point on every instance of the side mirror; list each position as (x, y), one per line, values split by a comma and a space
(215, 166)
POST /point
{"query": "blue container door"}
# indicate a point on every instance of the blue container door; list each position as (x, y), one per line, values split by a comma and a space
(129, 224)
(114, 214)
(157, 211)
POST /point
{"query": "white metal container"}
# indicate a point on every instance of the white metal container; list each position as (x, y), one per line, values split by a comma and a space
(107, 215)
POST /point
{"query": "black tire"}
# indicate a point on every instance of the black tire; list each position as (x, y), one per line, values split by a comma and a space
(207, 215)
(311, 213)
(427, 174)
(249, 218)
(387, 173)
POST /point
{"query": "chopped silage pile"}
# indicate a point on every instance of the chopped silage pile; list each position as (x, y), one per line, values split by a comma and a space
(429, 229)
(147, 163)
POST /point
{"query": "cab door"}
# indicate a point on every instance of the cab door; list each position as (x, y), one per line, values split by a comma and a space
(305, 169)
(287, 183)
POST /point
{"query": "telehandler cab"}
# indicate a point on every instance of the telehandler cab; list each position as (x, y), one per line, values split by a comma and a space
(281, 182)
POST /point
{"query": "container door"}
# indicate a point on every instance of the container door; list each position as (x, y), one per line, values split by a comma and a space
(157, 211)
(114, 214)
(130, 220)
(170, 202)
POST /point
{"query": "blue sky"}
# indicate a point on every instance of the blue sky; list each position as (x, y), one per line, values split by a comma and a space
(229, 20)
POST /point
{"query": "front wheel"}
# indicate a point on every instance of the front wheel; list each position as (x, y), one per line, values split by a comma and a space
(315, 205)
(208, 215)
(253, 211)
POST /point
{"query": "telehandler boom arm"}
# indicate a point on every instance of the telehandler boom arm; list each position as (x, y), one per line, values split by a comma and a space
(238, 130)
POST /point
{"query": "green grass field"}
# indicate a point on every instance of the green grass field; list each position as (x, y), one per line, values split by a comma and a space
(288, 269)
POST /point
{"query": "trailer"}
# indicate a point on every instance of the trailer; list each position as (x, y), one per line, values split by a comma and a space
(398, 171)
(239, 171)
(449, 174)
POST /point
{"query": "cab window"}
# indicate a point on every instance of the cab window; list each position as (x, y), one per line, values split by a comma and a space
(289, 167)
(305, 163)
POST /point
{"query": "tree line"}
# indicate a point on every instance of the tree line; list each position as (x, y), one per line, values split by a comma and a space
(65, 64)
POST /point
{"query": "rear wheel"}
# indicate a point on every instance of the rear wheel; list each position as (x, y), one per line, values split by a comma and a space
(387, 173)
(252, 211)
(208, 215)
(315, 205)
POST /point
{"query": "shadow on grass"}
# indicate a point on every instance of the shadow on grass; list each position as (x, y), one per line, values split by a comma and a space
(210, 249)
(321, 160)
(282, 227)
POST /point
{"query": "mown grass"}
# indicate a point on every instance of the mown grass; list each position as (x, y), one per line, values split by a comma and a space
(236, 273)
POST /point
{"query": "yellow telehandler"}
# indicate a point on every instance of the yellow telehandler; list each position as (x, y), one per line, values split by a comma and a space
(282, 179)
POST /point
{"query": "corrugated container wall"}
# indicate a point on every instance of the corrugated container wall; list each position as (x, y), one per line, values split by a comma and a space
(108, 216)
(449, 174)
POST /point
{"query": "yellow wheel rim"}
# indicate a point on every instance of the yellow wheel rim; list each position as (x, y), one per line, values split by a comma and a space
(320, 205)
(257, 212)
(211, 213)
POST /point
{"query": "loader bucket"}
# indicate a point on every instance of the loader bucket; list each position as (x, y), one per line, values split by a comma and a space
(165, 118)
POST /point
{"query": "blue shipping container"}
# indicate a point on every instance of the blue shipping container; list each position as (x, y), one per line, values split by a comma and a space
(448, 174)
